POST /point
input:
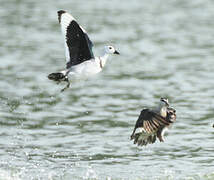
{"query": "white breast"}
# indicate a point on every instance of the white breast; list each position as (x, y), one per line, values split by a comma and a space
(86, 69)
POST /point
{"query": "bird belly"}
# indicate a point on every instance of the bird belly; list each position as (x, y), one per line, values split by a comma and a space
(84, 70)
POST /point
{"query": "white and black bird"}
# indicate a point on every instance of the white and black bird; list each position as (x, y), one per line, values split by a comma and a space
(152, 123)
(80, 60)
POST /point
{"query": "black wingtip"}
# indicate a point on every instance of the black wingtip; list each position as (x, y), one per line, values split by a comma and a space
(60, 12)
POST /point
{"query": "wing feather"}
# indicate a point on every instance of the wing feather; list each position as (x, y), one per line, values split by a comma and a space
(150, 121)
(152, 124)
(78, 47)
(155, 125)
(145, 127)
(161, 119)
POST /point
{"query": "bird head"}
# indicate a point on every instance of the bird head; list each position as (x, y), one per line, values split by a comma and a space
(111, 50)
(164, 102)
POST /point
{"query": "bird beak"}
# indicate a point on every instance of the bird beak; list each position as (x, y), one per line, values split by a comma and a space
(116, 52)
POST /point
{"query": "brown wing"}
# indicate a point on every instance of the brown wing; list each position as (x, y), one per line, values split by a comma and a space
(153, 124)
(150, 121)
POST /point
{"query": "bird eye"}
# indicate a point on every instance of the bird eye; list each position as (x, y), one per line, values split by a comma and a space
(110, 47)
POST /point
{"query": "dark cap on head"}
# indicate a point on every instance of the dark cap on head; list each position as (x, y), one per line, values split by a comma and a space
(165, 100)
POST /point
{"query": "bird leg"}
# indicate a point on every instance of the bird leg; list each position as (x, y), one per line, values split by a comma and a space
(68, 84)
(160, 134)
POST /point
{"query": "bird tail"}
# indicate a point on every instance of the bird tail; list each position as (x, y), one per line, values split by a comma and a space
(58, 76)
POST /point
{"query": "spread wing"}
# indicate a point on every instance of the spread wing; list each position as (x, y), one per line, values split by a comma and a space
(150, 123)
(78, 46)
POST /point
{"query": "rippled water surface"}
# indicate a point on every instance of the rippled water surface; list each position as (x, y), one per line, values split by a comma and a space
(167, 49)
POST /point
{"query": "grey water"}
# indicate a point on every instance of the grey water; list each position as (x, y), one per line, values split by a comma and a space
(167, 49)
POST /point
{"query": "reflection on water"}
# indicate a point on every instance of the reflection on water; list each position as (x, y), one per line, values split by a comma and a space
(166, 50)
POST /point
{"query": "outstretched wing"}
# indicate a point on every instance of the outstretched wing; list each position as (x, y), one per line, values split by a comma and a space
(150, 123)
(78, 47)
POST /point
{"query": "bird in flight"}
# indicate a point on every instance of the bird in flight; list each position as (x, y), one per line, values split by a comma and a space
(80, 60)
(152, 123)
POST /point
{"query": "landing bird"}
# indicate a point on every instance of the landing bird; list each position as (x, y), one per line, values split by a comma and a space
(80, 60)
(152, 123)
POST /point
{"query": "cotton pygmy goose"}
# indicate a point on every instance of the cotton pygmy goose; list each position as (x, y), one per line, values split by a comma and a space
(80, 60)
(152, 123)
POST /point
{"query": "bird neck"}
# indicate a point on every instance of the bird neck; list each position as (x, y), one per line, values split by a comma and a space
(104, 58)
(162, 110)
